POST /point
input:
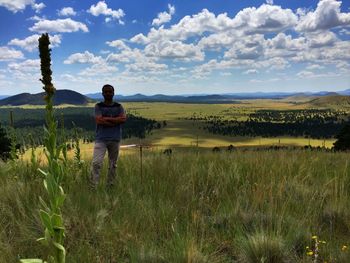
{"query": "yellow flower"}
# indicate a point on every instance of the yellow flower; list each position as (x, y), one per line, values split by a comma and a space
(344, 247)
(323, 242)
(309, 253)
(314, 237)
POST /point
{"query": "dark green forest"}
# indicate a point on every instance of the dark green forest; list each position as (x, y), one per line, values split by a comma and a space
(311, 123)
(28, 124)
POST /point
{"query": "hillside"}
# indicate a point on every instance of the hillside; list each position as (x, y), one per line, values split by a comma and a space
(61, 97)
(299, 98)
(336, 101)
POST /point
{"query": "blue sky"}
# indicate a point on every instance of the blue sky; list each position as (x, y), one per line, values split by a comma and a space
(177, 47)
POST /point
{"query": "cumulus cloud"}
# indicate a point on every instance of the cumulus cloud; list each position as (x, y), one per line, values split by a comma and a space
(127, 55)
(266, 18)
(188, 26)
(38, 7)
(67, 11)
(286, 42)
(250, 47)
(140, 39)
(59, 25)
(31, 43)
(99, 69)
(19, 5)
(146, 66)
(101, 8)
(321, 39)
(83, 58)
(8, 54)
(119, 44)
(326, 16)
(217, 41)
(174, 49)
(164, 17)
(29, 65)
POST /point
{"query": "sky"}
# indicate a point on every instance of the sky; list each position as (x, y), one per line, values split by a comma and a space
(177, 47)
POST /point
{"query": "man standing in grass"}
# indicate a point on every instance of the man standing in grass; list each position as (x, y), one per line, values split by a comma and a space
(109, 117)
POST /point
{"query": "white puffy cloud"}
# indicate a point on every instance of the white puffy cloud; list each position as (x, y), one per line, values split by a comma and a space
(28, 71)
(31, 43)
(19, 5)
(217, 41)
(275, 63)
(67, 11)
(8, 54)
(164, 17)
(321, 39)
(38, 7)
(127, 55)
(266, 18)
(136, 61)
(98, 69)
(29, 65)
(326, 16)
(117, 44)
(59, 25)
(146, 66)
(83, 58)
(140, 38)
(338, 52)
(101, 8)
(283, 41)
(36, 18)
(188, 26)
(174, 49)
(250, 47)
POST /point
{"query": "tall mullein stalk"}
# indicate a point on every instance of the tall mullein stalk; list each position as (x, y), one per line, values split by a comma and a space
(50, 214)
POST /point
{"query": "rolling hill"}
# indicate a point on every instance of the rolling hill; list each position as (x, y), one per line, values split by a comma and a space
(61, 97)
(334, 101)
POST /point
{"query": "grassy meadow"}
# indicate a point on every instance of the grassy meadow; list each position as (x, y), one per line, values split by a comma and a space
(191, 206)
(194, 205)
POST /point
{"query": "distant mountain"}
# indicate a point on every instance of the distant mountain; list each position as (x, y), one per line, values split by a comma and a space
(221, 98)
(4, 96)
(61, 97)
(300, 98)
(75, 98)
(338, 101)
(344, 92)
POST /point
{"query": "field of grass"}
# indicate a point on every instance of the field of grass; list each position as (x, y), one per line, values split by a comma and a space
(184, 133)
(191, 206)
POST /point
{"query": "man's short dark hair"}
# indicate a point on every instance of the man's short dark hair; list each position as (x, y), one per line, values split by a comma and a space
(107, 86)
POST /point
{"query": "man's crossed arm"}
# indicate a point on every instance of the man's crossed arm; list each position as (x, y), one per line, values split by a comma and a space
(110, 121)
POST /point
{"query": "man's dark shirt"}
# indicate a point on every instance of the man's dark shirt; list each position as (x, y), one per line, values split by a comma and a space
(106, 133)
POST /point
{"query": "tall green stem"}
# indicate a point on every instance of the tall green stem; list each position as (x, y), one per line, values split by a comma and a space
(50, 214)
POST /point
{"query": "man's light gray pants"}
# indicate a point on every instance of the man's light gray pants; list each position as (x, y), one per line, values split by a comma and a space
(99, 152)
